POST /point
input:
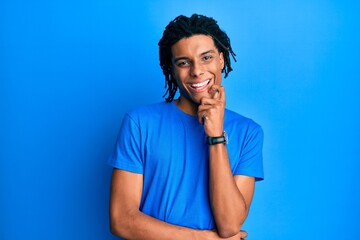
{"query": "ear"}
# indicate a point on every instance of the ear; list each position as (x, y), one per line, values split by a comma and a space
(222, 62)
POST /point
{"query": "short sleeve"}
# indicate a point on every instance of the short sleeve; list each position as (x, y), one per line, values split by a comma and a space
(251, 158)
(127, 154)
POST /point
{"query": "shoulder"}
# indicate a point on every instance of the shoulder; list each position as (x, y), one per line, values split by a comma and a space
(242, 128)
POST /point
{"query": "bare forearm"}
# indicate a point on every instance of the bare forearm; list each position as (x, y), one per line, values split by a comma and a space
(137, 225)
(229, 207)
(230, 196)
(128, 222)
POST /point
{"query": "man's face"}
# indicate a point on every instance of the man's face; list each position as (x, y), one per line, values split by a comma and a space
(197, 65)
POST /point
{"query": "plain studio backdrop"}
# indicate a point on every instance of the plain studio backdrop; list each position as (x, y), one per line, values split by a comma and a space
(69, 70)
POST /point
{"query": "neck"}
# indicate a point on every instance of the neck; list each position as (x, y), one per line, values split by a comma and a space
(187, 106)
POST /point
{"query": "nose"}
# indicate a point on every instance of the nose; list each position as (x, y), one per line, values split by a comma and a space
(197, 69)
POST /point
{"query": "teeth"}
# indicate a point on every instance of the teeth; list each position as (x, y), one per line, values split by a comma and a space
(197, 85)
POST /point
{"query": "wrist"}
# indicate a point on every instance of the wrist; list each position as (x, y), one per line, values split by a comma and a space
(220, 139)
(215, 134)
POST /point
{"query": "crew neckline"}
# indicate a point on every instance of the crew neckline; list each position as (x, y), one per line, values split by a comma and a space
(182, 113)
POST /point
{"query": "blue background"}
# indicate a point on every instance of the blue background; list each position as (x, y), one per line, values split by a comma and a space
(69, 70)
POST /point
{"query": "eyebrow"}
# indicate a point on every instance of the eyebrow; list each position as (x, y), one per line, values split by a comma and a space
(186, 58)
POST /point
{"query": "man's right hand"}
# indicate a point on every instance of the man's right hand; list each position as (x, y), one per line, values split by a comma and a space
(212, 235)
(128, 222)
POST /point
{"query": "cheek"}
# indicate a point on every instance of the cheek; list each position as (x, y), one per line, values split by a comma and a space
(180, 75)
(218, 76)
(217, 68)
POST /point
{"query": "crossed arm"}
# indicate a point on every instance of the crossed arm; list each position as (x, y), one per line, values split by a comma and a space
(230, 196)
(127, 221)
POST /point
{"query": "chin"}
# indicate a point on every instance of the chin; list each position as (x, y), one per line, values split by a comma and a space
(195, 98)
(198, 98)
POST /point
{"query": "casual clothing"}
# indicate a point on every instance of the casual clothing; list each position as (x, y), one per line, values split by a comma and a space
(169, 148)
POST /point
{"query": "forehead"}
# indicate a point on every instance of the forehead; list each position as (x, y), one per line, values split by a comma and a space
(193, 46)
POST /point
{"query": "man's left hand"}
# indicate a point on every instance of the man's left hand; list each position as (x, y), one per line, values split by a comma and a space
(211, 111)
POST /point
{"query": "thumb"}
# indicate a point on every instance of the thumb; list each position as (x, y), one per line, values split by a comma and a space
(216, 94)
(243, 234)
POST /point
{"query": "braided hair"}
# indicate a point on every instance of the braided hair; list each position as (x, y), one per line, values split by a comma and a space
(184, 27)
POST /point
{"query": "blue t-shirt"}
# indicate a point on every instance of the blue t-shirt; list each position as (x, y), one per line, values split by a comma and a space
(169, 148)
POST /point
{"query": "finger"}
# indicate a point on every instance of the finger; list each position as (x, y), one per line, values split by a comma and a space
(207, 101)
(215, 91)
(216, 94)
(222, 94)
(203, 119)
(201, 116)
(204, 111)
(205, 106)
(243, 234)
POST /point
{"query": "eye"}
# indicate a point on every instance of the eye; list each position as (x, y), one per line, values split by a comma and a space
(182, 63)
(207, 58)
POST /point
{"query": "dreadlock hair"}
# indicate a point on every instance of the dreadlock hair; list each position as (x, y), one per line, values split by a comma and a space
(184, 27)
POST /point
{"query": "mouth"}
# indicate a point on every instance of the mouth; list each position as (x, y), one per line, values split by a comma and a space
(199, 87)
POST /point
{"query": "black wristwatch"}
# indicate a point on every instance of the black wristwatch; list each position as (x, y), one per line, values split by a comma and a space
(217, 140)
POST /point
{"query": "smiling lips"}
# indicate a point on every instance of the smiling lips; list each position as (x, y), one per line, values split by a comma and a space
(199, 87)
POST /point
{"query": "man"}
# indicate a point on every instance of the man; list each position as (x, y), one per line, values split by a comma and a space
(186, 168)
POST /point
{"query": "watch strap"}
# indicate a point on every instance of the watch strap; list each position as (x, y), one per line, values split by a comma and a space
(216, 140)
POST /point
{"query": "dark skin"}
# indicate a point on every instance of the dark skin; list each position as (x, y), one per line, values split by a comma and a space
(197, 69)
(197, 66)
